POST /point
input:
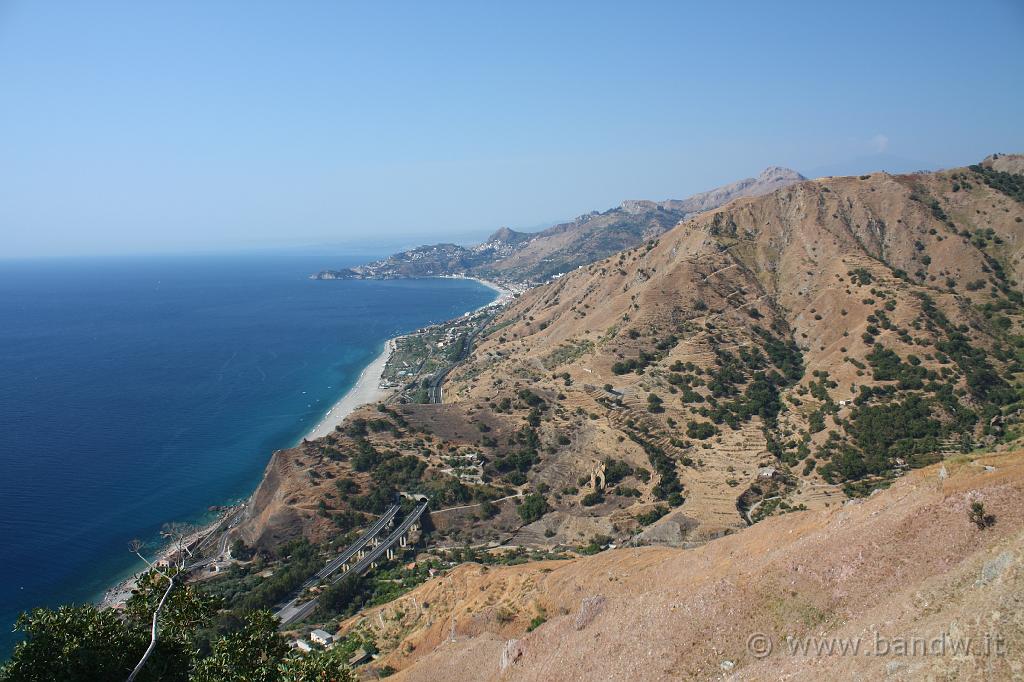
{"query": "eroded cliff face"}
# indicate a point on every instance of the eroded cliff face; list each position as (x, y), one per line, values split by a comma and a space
(274, 514)
(905, 565)
(774, 354)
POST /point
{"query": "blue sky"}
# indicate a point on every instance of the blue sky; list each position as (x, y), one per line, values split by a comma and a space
(141, 126)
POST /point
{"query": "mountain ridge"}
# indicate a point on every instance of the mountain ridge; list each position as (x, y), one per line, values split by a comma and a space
(735, 367)
(509, 255)
(722, 413)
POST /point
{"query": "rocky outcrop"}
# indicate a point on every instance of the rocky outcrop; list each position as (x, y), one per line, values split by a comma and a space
(1005, 163)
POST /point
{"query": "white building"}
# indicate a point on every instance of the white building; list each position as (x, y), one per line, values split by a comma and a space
(321, 637)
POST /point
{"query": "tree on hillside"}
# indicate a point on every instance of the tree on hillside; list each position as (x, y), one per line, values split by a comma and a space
(533, 507)
(89, 644)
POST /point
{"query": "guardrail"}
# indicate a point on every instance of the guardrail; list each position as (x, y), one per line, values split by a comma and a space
(293, 611)
(396, 536)
(386, 518)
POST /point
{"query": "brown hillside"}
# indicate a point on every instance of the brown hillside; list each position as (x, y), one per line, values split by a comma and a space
(806, 345)
(822, 263)
(906, 563)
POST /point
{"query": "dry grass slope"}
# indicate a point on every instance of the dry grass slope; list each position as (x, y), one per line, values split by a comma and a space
(905, 563)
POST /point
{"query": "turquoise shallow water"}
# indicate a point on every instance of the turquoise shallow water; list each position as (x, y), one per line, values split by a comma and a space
(134, 392)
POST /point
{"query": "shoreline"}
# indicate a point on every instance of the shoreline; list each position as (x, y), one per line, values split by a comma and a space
(117, 595)
(504, 295)
(366, 390)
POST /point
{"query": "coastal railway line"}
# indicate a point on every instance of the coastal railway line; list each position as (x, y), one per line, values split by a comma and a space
(296, 610)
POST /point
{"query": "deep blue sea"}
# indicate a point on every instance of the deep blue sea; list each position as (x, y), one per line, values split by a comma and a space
(139, 391)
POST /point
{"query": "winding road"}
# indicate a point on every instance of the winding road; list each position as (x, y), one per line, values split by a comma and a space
(434, 389)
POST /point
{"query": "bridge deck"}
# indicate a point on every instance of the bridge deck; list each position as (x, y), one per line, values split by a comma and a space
(294, 610)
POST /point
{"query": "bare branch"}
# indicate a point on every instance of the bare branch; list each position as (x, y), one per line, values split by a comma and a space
(153, 632)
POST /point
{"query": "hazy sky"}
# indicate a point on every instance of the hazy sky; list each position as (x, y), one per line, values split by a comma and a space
(149, 126)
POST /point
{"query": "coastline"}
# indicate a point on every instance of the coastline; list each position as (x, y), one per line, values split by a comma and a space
(117, 594)
(504, 295)
(366, 390)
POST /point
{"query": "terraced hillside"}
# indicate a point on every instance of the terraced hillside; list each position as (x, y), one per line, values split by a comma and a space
(778, 353)
(852, 592)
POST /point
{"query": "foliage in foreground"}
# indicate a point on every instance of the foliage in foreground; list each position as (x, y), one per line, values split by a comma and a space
(87, 644)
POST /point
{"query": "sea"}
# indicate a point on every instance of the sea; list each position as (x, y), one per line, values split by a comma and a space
(139, 391)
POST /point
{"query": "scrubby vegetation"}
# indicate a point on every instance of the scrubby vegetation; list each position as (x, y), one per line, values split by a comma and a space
(197, 641)
(1008, 183)
(533, 507)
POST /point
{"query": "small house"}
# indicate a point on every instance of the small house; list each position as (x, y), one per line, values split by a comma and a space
(169, 560)
(303, 645)
(321, 637)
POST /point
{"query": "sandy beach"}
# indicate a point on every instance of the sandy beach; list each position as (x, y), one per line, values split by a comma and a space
(366, 390)
(504, 295)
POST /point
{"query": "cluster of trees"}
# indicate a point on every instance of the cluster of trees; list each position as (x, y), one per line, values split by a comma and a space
(860, 277)
(649, 517)
(889, 425)
(390, 472)
(668, 487)
(343, 597)
(985, 384)
(637, 364)
(779, 365)
(700, 430)
(615, 470)
(886, 365)
(514, 465)
(195, 643)
(534, 506)
(645, 358)
(304, 561)
(880, 434)
(1010, 184)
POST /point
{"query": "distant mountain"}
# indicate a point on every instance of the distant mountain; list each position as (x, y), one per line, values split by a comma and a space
(768, 358)
(536, 257)
(770, 179)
